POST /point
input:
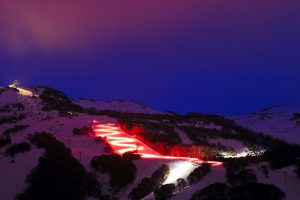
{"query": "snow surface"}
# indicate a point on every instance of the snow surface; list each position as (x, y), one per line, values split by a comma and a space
(10, 96)
(118, 105)
(285, 179)
(235, 144)
(13, 175)
(217, 174)
(276, 121)
(184, 137)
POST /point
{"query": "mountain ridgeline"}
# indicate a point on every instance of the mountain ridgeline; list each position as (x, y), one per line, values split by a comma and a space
(53, 135)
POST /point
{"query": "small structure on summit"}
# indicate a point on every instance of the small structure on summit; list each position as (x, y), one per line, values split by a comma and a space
(15, 83)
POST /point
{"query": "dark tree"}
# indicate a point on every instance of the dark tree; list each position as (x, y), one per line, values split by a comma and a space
(58, 175)
(242, 177)
(164, 192)
(256, 191)
(18, 148)
(216, 191)
(198, 173)
(122, 171)
(181, 184)
(148, 185)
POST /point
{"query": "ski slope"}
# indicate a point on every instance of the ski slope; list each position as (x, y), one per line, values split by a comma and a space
(122, 142)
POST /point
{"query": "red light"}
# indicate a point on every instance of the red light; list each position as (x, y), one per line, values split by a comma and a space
(121, 142)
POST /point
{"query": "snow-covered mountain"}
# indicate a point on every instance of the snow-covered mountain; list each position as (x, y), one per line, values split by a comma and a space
(280, 121)
(49, 144)
(117, 105)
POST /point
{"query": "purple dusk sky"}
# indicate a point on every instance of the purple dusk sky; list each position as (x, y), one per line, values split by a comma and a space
(228, 56)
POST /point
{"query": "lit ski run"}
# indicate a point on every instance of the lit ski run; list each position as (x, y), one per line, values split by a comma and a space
(122, 142)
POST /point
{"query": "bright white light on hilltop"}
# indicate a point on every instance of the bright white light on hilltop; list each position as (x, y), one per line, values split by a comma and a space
(179, 169)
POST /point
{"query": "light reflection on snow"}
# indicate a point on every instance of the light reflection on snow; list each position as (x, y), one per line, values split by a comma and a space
(179, 169)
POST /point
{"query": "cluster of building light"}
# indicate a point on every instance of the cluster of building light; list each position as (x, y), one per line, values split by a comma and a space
(246, 152)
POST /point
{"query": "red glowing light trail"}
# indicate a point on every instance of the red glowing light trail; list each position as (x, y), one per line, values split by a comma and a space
(121, 142)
